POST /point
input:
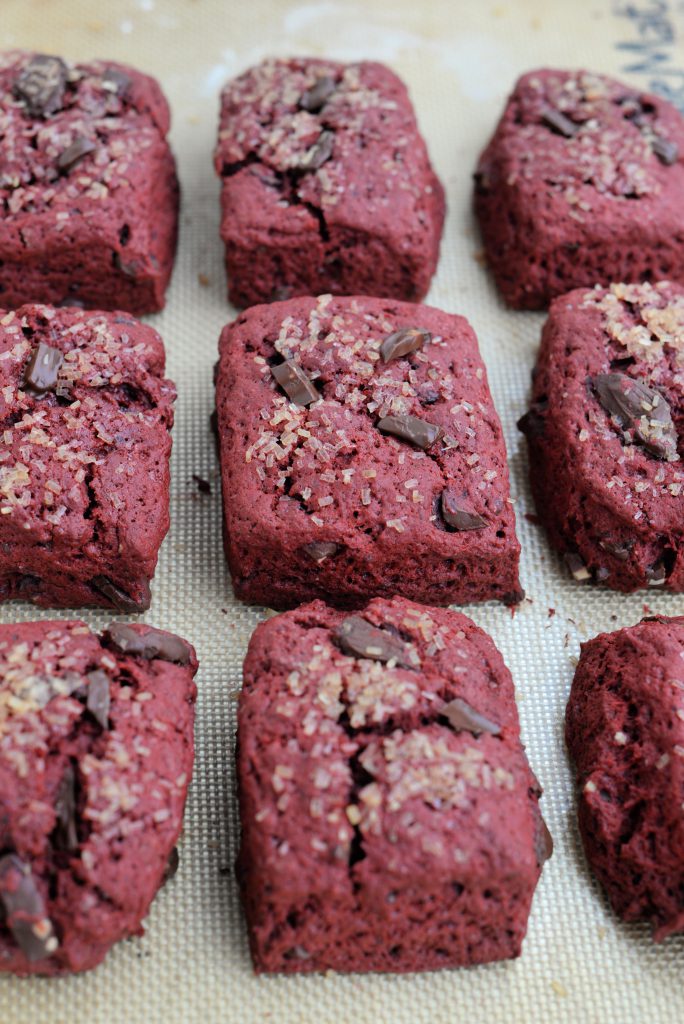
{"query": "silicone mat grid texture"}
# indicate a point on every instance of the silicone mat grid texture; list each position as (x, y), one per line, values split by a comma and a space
(460, 58)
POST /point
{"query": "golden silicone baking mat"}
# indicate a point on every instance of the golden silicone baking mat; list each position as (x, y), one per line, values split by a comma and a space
(459, 58)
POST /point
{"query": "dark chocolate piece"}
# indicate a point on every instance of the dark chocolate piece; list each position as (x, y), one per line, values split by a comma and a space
(359, 638)
(41, 85)
(543, 842)
(620, 551)
(203, 486)
(577, 568)
(43, 368)
(150, 645)
(639, 408)
(559, 123)
(464, 718)
(295, 383)
(321, 549)
(73, 154)
(456, 516)
(25, 911)
(317, 155)
(119, 598)
(98, 698)
(171, 866)
(666, 151)
(116, 81)
(400, 343)
(315, 98)
(410, 428)
(65, 835)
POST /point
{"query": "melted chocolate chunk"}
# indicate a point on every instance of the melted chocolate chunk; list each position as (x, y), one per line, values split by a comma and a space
(559, 123)
(171, 866)
(359, 638)
(73, 154)
(400, 343)
(295, 382)
(656, 574)
(641, 409)
(464, 718)
(25, 911)
(116, 81)
(410, 428)
(98, 697)
(122, 601)
(320, 152)
(578, 569)
(41, 85)
(315, 98)
(43, 368)
(150, 644)
(621, 551)
(65, 836)
(666, 151)
(458, 517)
(533, 423)
(319, 550)
(543, 842)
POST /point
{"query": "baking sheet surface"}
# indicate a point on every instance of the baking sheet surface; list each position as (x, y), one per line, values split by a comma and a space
(459, 58)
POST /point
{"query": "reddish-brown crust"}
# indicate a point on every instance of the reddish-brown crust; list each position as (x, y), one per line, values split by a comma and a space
(84, 467)
(368, 221)
(294, 477)
(625, 732)
(604, 499)
(559, 212)
(130, 783)
(376, 837)
(103, 233)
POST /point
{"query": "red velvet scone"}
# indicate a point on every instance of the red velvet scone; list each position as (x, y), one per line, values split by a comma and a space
(85, 415)
(88, 189)
(625, 732)
(326, 184)
(606, 434)
(582, 183)
(96, 753)
(390, 820)
(361, 455)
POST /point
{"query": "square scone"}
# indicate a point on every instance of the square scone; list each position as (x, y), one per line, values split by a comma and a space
(96, 754)
(327, 184)
(361, 455)
(84, 457)
(582, 183)
(88, 188)
(605, 434)
(390, 819)
(624, 728)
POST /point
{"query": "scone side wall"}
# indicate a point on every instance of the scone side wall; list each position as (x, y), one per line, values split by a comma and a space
(319, 502)
(88, 187)
(390, 820)
(327, 185)
(96, 754)
(582, 182)
(625, 733)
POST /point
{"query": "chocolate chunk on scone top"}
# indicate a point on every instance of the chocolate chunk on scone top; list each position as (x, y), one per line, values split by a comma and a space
(88, 189)
(96, 754)
(582, 182)
(326, 184)
(361, 455)
(390, 820)
(85, 418)
(606, 433)
(625, 732)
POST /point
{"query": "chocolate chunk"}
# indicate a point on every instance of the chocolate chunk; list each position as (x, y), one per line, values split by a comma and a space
(464, 718)
(98, 697)
(458, 517)
(116, 81)
(122, 601)
(321, 549)
(543, 842)
(533, 423)
(150, 644)
(43, 368)
(558, 122)
(65, 835)
(410, 428)
(576, 566)
(296, 953)
(41, 85)
(73, 154)
(315, 98)
(656, 574)
(25, 911)
(621, 551)
(171, 866)
(639, 408)
(400, 343)
(359, 638)
(203, 486)
(317, 155)
(296, 384)
(666, 151)
(129, 268)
